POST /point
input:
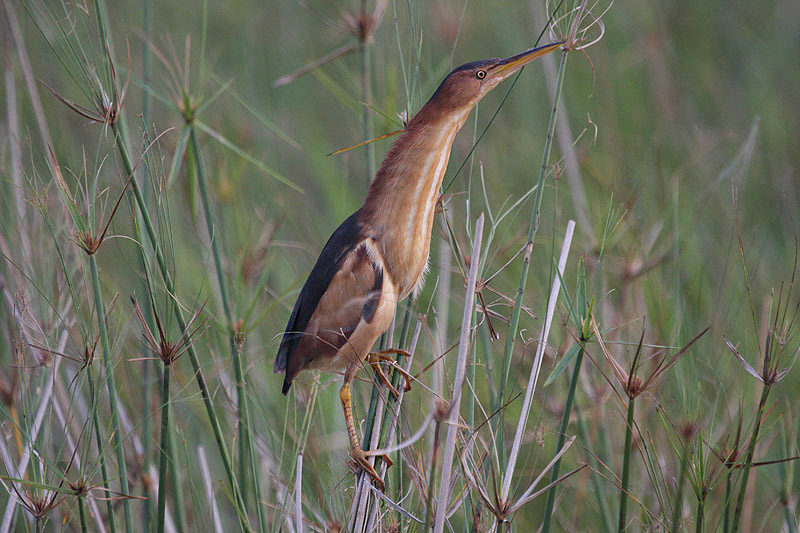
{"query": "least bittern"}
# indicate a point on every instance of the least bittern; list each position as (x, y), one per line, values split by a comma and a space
(378, 256)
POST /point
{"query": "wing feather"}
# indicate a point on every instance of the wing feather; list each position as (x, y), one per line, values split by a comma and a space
(344, 286)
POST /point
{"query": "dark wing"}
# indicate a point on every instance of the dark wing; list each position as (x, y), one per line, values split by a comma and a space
(341, 303)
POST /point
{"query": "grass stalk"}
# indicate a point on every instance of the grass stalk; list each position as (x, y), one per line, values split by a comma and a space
(748, 462)
(678, 506)
(193, 357)
(163, 452)
(537, 361)
(562, 437)
(247, 455)
(626, 467)
(599, 490)
(366, 95)
(82, 514)
(726, 522)
(464, 350)
(176, 486)
(148, 366)
(698, 519)
(432, 475)
(526, 261)
(101, 456)
(112, 393)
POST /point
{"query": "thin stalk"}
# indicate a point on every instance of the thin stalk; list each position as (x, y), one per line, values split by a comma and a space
(533, 378)
(149, 366)
(562, 437)
(751, 449)
(701, 504)
(464, 352)
(179, 509)
(245, 440)
(626, 467)
(146, 435)
(728, 498)
(163, 452)
(193, 357)
(432, 474)
(112, 393)
(676, 510)
(100, 452)
(82, 514)
(366, 94)
(594, 464)
(532, 229)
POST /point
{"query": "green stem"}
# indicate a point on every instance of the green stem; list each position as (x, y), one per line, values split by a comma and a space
(245, 441)
(626, 468)
(82, 514)
(176, 485)
(701, 504)
(676, 510)
(193, 357)
(751, 448)
(163, 451)
(728, 493)
(112, 393)
(562, 437)
(366, 94)
(100, 451)
(594, 464)
(532, 229)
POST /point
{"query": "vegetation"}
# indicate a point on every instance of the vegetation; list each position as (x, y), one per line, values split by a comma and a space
(607, 336)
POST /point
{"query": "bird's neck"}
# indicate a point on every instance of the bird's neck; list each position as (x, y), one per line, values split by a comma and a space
(402, 198)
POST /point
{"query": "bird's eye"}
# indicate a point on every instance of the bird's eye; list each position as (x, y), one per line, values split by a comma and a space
(480, 74)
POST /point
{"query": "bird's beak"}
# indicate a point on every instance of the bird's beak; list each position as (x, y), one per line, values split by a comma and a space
(505, 67)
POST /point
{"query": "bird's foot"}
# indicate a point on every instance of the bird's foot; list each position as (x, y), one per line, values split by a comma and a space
(375, 358)
(361, 462)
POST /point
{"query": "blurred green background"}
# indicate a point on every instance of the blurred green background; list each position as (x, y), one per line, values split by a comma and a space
(689, 118)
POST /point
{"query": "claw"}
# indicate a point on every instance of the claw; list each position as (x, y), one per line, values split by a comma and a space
(360, 461)
(375, 358)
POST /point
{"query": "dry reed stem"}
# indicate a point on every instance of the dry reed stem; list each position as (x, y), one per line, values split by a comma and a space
(464, 350)
(537, 361)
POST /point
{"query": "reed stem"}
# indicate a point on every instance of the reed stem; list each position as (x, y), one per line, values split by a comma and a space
(112, 393)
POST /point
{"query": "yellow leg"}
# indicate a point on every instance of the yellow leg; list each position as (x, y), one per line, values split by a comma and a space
(375, 358)
(356, 452)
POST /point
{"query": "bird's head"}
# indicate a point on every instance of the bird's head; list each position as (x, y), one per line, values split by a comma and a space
(467, 84)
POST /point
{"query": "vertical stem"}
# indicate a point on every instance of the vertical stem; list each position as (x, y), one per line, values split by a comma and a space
(149, 366)
(112, 393)
(176, 487)
(532, 229)
(676, 510)
(163, 452)
(701, 504)
(82, 514)
(464, 351)
(626, 467)
(432, 478)
(195, 361)
(245, 442)
(562, 437)
(100, 451)
(728, 495)
(751, 448)
(366, 94)
(594, 464)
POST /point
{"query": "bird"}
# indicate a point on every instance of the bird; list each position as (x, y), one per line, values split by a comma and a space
(378, 256)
